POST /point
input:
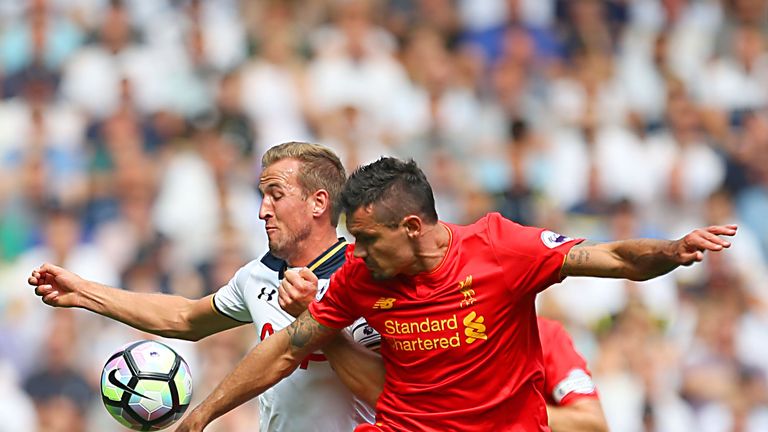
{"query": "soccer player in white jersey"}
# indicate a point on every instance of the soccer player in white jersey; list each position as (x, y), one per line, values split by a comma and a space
(300, 184)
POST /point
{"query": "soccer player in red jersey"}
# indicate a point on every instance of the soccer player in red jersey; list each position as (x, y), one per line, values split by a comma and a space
(571, 396)
(570, 393)
(454, 306)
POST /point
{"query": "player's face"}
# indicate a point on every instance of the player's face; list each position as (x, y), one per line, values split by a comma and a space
(285, 209)
(386, 250)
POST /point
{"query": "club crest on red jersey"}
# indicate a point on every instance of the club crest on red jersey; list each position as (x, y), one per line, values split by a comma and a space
(465, 288)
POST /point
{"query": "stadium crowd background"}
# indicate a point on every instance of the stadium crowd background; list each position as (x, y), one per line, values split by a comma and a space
(130, 135)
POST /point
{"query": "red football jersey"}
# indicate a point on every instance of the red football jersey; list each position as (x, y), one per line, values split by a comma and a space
(566, 377)
(461, 346)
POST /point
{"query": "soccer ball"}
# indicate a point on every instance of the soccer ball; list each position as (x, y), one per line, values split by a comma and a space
(146, 386)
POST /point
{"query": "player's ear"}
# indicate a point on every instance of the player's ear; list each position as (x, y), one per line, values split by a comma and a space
(413, 226)
(320, 201)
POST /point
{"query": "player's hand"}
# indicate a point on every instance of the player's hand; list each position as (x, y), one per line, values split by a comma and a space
(57, 286)
(691, 248)
(297, 290)
(191, 423)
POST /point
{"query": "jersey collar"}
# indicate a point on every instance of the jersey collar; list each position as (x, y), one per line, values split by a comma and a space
(323, 266)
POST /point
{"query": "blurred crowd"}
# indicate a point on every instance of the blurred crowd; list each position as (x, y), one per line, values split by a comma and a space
(131, 133)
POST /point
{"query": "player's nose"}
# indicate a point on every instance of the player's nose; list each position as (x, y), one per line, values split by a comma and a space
(265, 210)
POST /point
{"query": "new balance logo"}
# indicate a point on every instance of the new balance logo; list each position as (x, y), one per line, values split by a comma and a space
(384, 303)
(474, 328)
(465, 288)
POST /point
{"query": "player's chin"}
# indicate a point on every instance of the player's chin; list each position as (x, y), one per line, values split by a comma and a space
(379, 275)
(276, 246)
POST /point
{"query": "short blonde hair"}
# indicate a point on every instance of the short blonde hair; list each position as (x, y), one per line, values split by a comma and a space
(320, 169)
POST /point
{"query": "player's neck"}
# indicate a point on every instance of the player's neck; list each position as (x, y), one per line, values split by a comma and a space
(433, 247)
(308, 249)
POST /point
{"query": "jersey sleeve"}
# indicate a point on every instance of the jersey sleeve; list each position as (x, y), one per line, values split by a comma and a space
(229, 300)
(364, 334)
(534, 256)
(332, 306)
(566, 377)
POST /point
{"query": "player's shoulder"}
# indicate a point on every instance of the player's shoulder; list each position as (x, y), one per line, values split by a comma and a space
(524, 238)
(491, 223)
(268, 263)
(479, 227)
(489, 229)
(266, 268)
(330, 260)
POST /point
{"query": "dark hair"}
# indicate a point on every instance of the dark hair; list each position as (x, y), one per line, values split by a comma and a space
(397, 188)
(320, 169)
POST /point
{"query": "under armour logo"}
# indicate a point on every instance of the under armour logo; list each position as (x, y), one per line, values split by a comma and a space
(368, 330)
(266, 294)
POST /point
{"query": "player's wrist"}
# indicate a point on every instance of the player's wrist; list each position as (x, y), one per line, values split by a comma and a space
(204, 414)
(671, 251)
(89, 295)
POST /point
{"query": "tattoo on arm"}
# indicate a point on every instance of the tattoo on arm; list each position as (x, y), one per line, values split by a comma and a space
(301, 330)
(578, 256)
(636, 259)
(305, 330)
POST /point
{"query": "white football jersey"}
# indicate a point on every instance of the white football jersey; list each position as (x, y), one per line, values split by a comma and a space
(312, 398)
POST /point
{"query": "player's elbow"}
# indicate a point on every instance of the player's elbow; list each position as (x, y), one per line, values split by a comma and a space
(642, 275)
(189, 336)
(181, 326)
(639, 277)
(284, 366)
(634, 272)
(180, 332)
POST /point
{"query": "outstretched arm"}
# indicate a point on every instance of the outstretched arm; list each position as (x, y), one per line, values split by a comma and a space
(644, 259)
(160, 314)
(269, 362)
(583, 415)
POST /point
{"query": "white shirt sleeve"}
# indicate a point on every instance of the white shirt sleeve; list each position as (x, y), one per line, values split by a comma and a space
(229, 300)
(364, 334)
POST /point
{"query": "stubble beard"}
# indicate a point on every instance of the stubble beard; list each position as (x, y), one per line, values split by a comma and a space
(286, 246)
(379, 277)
